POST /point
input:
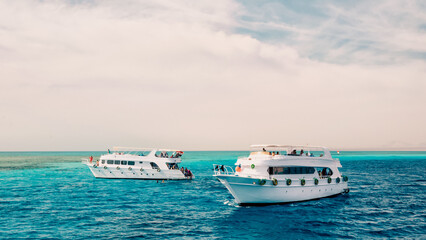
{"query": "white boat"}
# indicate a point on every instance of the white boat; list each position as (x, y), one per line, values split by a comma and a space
(275, 174)
(139, 163)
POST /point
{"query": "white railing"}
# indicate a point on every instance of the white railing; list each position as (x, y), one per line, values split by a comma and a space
(87, 161)
(223, 170)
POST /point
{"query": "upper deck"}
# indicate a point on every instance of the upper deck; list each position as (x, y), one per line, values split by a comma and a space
(290, 150)
(153, 154)
(288, 154)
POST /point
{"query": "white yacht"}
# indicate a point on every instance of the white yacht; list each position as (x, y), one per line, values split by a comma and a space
(139, 163)
(280, 174)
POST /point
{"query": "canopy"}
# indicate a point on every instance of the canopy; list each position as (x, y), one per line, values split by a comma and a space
(132, 149)
(276, 146)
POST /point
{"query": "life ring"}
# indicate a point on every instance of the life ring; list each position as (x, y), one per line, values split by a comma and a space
(275, 182)
(141, 169)
(105, 167)
(158, 170)
(288, 181)
(345, 178)
(95, 166)
(337, 180)
(262, 181)
(252, 166)
(329, 179)
(316, 181)
(118, 168)
(302, 182)
(130, 168)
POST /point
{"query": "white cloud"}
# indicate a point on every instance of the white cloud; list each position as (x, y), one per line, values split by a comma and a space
(176, 74)
(379, 32)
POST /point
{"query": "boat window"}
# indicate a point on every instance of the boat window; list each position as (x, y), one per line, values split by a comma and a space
(154, 165)
(144, 153)
(324, 172)
(131, 163)
(110, 161)
(172, 166)
(291, 170)
(123, 162)
(103, 161)
(117, 162)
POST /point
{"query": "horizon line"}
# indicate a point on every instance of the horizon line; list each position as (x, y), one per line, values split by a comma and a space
(408, 149)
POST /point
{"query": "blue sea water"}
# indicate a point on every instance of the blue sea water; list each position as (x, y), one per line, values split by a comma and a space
(51, 195)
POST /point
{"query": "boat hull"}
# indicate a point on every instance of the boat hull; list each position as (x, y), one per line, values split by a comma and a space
(249, 191)
(135, 173)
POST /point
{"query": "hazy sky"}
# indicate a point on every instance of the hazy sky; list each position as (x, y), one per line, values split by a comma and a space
(212, 75)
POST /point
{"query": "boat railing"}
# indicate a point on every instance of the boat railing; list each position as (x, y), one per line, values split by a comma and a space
(258, 158)
(283, 156)
(88, 162)
(223, 170)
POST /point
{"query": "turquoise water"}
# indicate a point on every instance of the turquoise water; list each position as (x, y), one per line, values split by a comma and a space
(51, 195)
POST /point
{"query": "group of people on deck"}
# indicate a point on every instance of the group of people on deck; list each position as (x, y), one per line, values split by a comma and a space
(186, 172)
(164, 154)
(272, 153)
(292, 153)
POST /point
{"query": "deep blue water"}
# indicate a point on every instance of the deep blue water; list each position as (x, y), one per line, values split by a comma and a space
(51, 195)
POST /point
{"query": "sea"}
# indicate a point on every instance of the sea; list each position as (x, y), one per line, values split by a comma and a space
(52, 195)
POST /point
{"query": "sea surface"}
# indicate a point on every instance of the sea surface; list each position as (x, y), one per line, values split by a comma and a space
(51, 195)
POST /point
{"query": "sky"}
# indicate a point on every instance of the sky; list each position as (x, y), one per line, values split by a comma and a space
(212, 75)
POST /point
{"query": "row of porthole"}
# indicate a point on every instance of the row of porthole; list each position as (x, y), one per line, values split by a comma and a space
(302, 181)
(133, 173)
(130, 168)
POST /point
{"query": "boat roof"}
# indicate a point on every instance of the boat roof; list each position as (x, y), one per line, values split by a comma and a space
(277, 146)
(132, 149)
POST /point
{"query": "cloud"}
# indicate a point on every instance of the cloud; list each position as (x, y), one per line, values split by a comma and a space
(91, 75)
(380, 32)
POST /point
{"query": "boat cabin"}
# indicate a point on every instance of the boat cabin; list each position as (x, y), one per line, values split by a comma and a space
(284, 161)
(145, 158)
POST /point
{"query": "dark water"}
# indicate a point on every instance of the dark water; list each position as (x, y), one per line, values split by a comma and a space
(53, 196)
